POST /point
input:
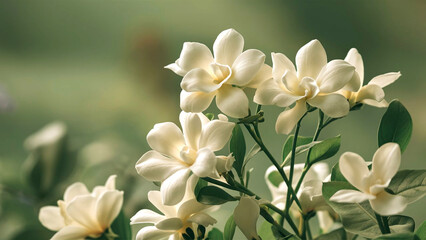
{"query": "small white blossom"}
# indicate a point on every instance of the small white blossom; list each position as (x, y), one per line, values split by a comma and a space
(372, 184)
(83, 214)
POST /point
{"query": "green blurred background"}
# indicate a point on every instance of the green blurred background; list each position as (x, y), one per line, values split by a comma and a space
(98, 67)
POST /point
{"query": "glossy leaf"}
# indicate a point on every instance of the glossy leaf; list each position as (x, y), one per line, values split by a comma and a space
(398, 236)
(237, 146)
(211, 195)
(410, 184)
(229, 231)
(215, 234)
(421, 231)
(121, 227)
(325, 149)
(287, 147)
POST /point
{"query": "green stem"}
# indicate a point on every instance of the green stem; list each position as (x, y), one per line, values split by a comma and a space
(308, 229)
(286, 216)
(384, 228)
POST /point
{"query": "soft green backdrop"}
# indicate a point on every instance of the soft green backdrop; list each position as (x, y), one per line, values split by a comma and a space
(98, 66)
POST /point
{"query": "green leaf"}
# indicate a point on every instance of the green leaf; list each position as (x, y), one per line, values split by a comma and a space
(253, 151)
(396, 125)
(289, 144)
(359, 218)
(421, 231)
(210, 116)
(200, 184)
(336, 174)
(237, 146)
(229, 231)
(398, 236)
(275, 178)
(338, 234)
(265, 231)
(410, 184)
(121, 227)
(211, 195)
(325, 149)
(215, 234)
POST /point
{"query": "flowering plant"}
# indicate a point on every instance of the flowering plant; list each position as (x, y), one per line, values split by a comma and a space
(353, 199)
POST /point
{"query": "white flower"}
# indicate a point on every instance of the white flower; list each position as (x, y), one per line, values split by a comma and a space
(315, 82)
(372, 93)
(83, 214)
(49, 135)
(176, 155)
(245, 216)
(223, 75)
(309, 194)
(372, 184)
(175, 219)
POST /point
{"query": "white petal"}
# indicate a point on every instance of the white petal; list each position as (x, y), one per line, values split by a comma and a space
(146, 216)
(110, 182)
(370, 91)
(280, 65)
(169, 224)
(191, 126)
(205, 163)
(108, 207)
(228, 46)
(195, 101)
(202, 219)
(155, 198)
(232, 101)
(325, 221)
(152, 233)
(71, 232)
(190, 207)
(199, 80)
(245, 216)
(335, 75)
(355, 170)
(310, 87)
(374, 103)
(334, 105)
(224, 163)
(193, 55)
(310, 59)
(261, 76)
(355, 59)
(216, 134)
(83, 210)
(354, 83)
(289, 118)
(155, 167)
(387, 204)
(350, 196)
(74, 190)
(270, 93)
(166, 138)
(386, 162)
(290, 81)
(246, 67)
(51, 218)
(385, 79)
(173, 188)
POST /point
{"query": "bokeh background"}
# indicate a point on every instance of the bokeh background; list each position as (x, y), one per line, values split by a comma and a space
(97, 66)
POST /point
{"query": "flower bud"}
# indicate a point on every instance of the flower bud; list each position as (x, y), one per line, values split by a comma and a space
(224, 163)
(245, 216)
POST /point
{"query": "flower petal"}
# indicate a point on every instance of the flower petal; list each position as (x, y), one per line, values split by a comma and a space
(108, 207)
(310, 59)
(355, 59)
(83, 210)
(74, 190)
(51, 218)
(155, 167)
(216, 134)
(173, 188)
(152, 233)
(374, 103)
(169, 224)
(387, 204)
(166, 138)
(350, 196)
(335, 75)
(325, 221)
(355, 170)
(270, 93)
(289, 118)
(190, 207)
(385, 79)
(155, 198)
(195, 101)
(199, 80)
(202, 219)
(232, 101)
(261, 76)
(205, 164)
(280, 65)
(227, 46)
(246, 67)
(146, 216)
(71, 232)
(334, 105)
(245, 216)
(370, 91)
(386, 162)
(191, 126)
(193, 55)
(291, 81)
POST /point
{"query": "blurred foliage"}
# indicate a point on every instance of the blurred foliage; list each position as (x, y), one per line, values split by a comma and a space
(97, 66)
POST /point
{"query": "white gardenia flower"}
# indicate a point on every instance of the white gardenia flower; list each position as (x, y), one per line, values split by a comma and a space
(175, 219)
(82, 213)
(245, 216)
(223, 75)
(372, 93)
(372, 184)
(309, 194)
(315, 82)
(176, 155)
